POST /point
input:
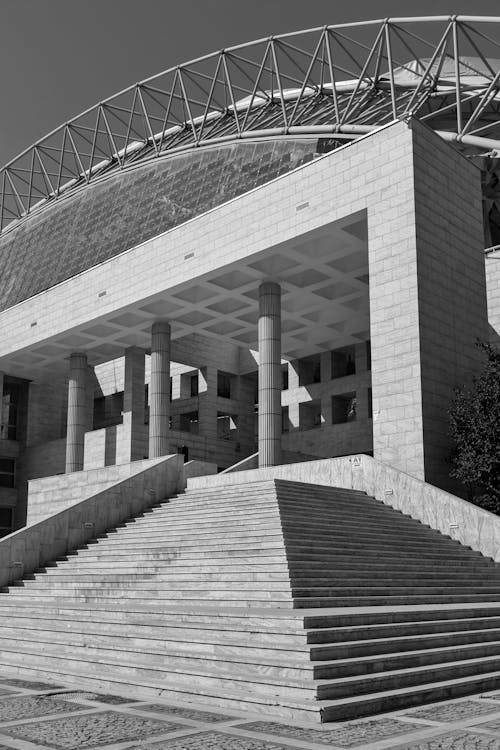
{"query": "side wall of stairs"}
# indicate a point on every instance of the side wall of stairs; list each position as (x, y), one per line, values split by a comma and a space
(31, 547)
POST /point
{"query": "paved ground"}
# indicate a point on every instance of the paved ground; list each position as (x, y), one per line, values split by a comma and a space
(36, 716)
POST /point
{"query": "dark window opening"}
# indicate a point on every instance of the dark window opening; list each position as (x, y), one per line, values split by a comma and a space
(108, 411)
(189, 422)
(309, 370)
(227, 426)
(343, 362)
(284, 378)
(310, 415)
(344, 408)
(9, 414)
(7, 472)
(285, 420)
(194, 385)
(224, 384)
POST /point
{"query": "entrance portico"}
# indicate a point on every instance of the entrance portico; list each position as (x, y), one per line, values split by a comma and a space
(345, 263)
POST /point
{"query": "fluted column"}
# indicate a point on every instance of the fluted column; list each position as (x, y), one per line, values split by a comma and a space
(159, 389)
(77, 412)
(269, 374)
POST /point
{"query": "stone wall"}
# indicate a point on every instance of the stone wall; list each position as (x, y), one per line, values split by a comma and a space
(32, 547)
(52, 494)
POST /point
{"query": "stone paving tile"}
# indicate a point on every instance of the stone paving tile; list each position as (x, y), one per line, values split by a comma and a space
(90, 730)
(463, 740)
(32, 706)
(213, 741)
(448, 712)
(185, 713)
(348, 734)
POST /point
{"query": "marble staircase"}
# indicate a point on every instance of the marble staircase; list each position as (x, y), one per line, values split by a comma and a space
(299, 600)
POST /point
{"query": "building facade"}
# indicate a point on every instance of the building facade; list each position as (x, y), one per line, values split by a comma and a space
(299, 273)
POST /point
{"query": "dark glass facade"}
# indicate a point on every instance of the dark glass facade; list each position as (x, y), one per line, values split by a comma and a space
(113, 215)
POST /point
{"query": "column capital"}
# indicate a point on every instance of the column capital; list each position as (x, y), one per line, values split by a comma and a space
(160, 326)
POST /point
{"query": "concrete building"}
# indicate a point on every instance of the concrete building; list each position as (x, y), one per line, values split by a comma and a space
(272, 264)
(327, 240)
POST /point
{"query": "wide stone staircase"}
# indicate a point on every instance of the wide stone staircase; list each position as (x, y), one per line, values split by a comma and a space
(298, 600)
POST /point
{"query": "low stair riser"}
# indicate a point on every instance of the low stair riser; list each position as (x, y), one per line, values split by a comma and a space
(159, 652)
(367, 705)
(372, 683)
(369, 644)
(380, 663)
(47, 630)
(217, 684)
(401, 616)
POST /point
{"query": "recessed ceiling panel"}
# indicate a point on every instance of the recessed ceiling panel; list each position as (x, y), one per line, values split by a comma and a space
(275, 264)
(195, 293)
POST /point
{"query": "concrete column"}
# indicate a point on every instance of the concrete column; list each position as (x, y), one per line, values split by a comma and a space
(77, 412)
(159, 389)
(134, 405)
(269, 374)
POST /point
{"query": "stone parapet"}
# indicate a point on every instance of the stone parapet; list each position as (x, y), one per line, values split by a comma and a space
(30, 548)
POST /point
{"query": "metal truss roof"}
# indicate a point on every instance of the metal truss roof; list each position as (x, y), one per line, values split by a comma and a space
(338, 81)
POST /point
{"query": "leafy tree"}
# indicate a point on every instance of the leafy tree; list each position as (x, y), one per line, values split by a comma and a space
(475, 429)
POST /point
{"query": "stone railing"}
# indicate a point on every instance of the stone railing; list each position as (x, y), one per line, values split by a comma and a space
(32, 547)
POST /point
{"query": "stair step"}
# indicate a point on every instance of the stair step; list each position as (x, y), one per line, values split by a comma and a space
(406, 697)
(398, 678)
(329, 651)
(283, 596)
(355, 634)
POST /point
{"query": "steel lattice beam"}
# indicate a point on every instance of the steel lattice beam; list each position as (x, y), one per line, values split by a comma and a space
(346, 79)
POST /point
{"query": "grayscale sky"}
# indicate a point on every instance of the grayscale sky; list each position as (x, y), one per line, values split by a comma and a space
(58, 57)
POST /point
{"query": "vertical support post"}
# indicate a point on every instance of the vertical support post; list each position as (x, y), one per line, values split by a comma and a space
(159, 389)
(77, 412)
(134, 404)
(269, 374)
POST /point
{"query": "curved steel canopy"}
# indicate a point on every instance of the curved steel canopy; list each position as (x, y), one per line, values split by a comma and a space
(338, 81)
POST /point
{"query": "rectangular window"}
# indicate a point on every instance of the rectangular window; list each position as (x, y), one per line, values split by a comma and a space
(370, 404)
(310, 415)
(6, 519)
(285, 421)
(189, 422)
(344, 408)
(227, 426)
(108, 410)
(343, 362)
(9, 411)
(7, 472)
(223, 384)
(284, 378)
(309, 369)
(194, 385)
